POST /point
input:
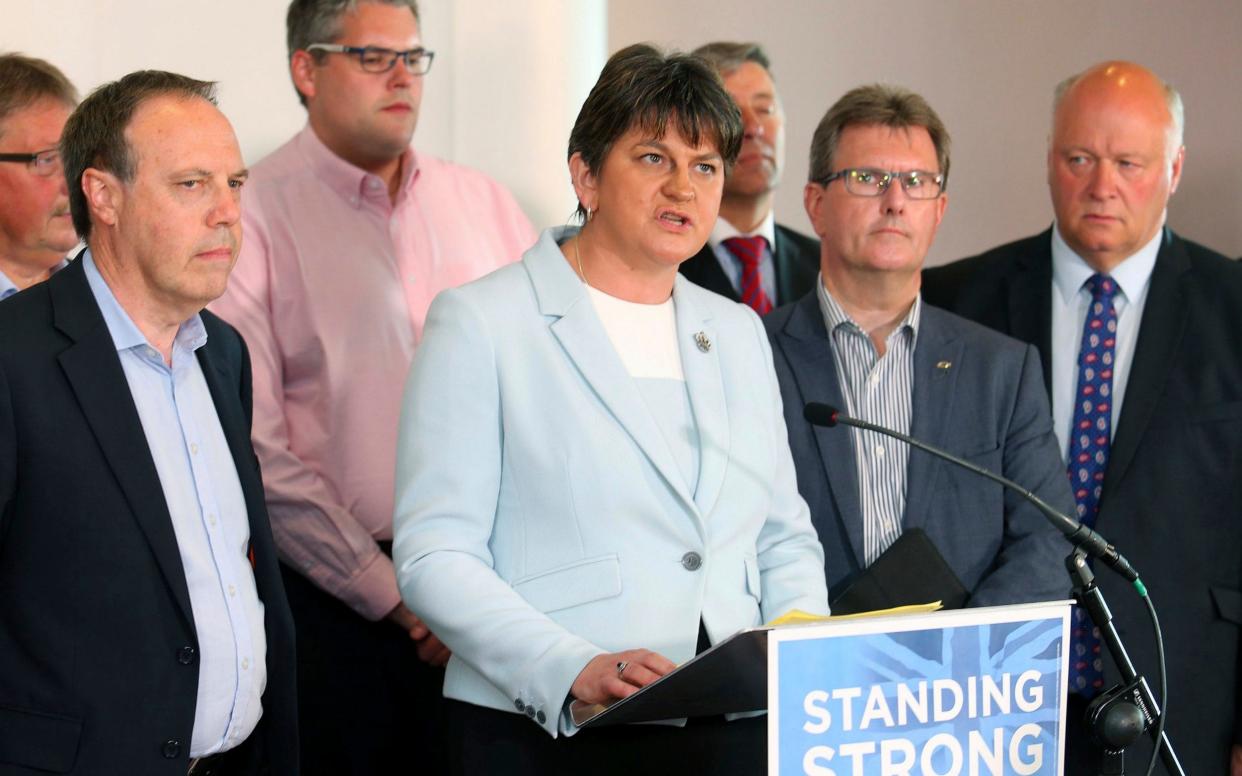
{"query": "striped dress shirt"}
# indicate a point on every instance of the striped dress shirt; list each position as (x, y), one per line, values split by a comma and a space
(878, 389)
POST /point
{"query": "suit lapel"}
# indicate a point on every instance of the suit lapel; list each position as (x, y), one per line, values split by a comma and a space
(582, 335)
(1029, 300)
(94, 373)
(937, 362)
(707, 397)
(223, 388)
(782, 265)
(807, 347)
(703, 269)
(1164, 320)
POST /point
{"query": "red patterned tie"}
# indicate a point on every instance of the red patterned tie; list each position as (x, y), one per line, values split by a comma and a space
(1088, 457)
(749, 251)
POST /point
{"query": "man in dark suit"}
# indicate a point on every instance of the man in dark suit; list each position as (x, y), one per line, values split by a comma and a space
(863, 341)
(143, 623)
(1169, 447)
(749, 257)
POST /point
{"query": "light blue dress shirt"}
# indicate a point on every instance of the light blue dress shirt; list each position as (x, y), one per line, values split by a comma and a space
(8, 287)
(204, 496)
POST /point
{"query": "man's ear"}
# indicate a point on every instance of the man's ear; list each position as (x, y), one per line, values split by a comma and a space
(104, 196)
(302, 69)
(1175, 170)
(813, 201)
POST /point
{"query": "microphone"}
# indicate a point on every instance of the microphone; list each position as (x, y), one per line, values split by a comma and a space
(1079, 535)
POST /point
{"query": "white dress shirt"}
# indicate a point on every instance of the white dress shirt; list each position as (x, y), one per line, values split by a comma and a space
(1070, 301)
(732, 265)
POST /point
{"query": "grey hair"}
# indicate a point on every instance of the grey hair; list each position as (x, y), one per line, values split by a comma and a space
(876, 105)
(1172, 101)
(727, 56)
(26, 80)
(319, 21)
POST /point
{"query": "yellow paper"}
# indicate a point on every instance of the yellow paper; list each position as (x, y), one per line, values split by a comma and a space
(799, 617)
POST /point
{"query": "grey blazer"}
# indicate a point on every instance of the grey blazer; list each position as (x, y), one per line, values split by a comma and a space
(987, 405)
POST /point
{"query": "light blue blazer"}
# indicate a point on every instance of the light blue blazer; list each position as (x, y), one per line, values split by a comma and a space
(541, 518)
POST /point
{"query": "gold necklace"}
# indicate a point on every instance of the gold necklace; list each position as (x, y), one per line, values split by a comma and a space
(578, 258)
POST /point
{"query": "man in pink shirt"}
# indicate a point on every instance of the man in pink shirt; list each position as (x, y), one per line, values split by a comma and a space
(348, 235)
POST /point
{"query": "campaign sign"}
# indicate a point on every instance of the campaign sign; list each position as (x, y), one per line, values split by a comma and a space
(972, 692)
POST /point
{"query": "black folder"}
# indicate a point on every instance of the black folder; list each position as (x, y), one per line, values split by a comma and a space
(910, 571)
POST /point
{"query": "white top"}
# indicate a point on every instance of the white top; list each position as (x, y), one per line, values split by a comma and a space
(644, 335)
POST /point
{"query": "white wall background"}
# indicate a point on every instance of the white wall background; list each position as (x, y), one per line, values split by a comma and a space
(506, 85)
(988, 67)
(510, 75)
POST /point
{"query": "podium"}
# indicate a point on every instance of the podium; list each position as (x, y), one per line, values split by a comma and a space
(964, 691)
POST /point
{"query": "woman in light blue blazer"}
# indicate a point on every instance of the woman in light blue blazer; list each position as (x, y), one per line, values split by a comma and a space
(593, 475)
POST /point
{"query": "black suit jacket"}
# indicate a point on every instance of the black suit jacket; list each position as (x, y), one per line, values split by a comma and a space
(98, 653)
(795, 256)
(1172, 499)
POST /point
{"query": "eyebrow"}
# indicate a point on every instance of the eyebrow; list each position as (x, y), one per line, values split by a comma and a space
(660, 146)
(199, 172)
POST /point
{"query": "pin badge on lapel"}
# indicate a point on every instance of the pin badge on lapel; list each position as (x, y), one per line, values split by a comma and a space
(943, 366)
(703, 342)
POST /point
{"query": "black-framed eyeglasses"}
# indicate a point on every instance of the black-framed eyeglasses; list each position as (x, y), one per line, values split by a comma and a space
(375, 59)
(44, 163)
(869, 182)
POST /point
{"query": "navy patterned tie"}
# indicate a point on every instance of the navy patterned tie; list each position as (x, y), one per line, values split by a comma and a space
(749, 251)
(1088, 457)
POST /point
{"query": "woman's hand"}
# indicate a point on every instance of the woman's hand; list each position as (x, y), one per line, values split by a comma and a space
(616, 675)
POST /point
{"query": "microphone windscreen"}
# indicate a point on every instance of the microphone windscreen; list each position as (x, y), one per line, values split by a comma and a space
(818, 414)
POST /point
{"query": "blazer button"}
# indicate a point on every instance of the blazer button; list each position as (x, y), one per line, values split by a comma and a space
(691, 561)
(517, 704)
(530, 711)
(171, 749)
(185, 656)
(541, 717)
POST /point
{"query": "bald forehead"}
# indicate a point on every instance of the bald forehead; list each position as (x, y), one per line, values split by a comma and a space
(1117, 85)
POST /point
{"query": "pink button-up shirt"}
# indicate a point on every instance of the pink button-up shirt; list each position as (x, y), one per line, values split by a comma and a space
(330, 291)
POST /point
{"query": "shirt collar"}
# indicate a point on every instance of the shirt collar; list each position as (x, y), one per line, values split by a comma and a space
(1070, 271)
(354, 184)
(836, 317)
(191, 336)
(723, 230)
(8, 287)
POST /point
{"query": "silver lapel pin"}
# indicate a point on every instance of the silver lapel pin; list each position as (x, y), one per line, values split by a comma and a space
(703, 342)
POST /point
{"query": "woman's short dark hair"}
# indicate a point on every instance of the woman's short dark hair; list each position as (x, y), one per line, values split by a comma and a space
(94, 136)
(642, 87)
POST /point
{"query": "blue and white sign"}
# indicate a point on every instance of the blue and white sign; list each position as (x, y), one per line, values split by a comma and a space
(973, 691)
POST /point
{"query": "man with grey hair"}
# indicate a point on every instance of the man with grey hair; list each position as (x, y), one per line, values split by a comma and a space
(350, 233)
(1140, 336)
(143, 622)
(864, 341)
(35, 230)
(749, 257)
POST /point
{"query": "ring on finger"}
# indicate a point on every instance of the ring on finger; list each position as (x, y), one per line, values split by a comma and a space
(621, 666)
